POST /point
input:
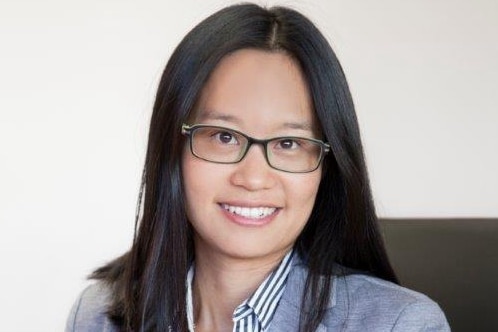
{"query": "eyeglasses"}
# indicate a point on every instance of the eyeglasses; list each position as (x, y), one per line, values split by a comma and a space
(228, 146)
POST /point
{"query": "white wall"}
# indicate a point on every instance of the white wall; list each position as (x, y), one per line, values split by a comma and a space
(77, 80)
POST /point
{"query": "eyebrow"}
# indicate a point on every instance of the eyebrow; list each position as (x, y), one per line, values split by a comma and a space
(306, 126)
(215, 115)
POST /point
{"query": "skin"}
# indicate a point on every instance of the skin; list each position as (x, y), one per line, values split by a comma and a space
(262, 94)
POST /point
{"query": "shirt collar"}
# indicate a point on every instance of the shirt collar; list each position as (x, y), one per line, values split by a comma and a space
(190, 303)
(264, 300)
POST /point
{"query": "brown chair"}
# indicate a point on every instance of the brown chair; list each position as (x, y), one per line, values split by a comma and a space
(453, 261)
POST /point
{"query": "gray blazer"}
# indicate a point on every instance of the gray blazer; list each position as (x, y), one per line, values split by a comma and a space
(358, 303)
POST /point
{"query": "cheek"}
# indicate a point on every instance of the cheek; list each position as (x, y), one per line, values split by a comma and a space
(200, 180)
(307, 187)
(301, 192)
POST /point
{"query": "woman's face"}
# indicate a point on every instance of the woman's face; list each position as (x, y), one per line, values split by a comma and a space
(248, 209)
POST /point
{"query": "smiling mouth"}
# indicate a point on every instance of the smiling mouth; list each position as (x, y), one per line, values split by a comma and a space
(250, 212)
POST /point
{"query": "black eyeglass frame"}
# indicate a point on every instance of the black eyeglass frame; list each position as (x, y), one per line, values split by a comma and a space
(187, 130)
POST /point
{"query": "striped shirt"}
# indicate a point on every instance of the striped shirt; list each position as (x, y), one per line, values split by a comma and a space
(256, 312)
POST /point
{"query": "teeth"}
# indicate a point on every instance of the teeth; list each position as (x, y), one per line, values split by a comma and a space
(253, 213)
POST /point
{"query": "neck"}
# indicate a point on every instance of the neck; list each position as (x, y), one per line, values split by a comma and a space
(222, 283)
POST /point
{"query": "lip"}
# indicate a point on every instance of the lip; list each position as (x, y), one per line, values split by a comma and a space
(245, 221)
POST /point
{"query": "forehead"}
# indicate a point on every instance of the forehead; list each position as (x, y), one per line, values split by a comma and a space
(256, 89)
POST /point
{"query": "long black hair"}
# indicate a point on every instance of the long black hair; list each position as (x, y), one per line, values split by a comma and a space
(148, 282)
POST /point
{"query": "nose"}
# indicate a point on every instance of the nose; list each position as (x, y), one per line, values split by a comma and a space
(253, 172)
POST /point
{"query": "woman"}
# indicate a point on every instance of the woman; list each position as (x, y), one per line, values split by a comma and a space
(257, 212)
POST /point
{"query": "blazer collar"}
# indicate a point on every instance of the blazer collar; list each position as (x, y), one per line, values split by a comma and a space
(296, 281)
(288, 313)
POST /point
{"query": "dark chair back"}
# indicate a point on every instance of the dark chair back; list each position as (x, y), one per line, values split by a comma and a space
(453, 261)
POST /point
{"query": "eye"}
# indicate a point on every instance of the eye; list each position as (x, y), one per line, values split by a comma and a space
(225, 137)
(287, 144)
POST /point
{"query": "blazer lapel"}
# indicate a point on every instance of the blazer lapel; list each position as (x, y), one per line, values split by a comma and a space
(288, 312)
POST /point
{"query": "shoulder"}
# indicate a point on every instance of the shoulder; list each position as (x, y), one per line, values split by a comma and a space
(360, 302)
(374, 304)
(89, 311)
